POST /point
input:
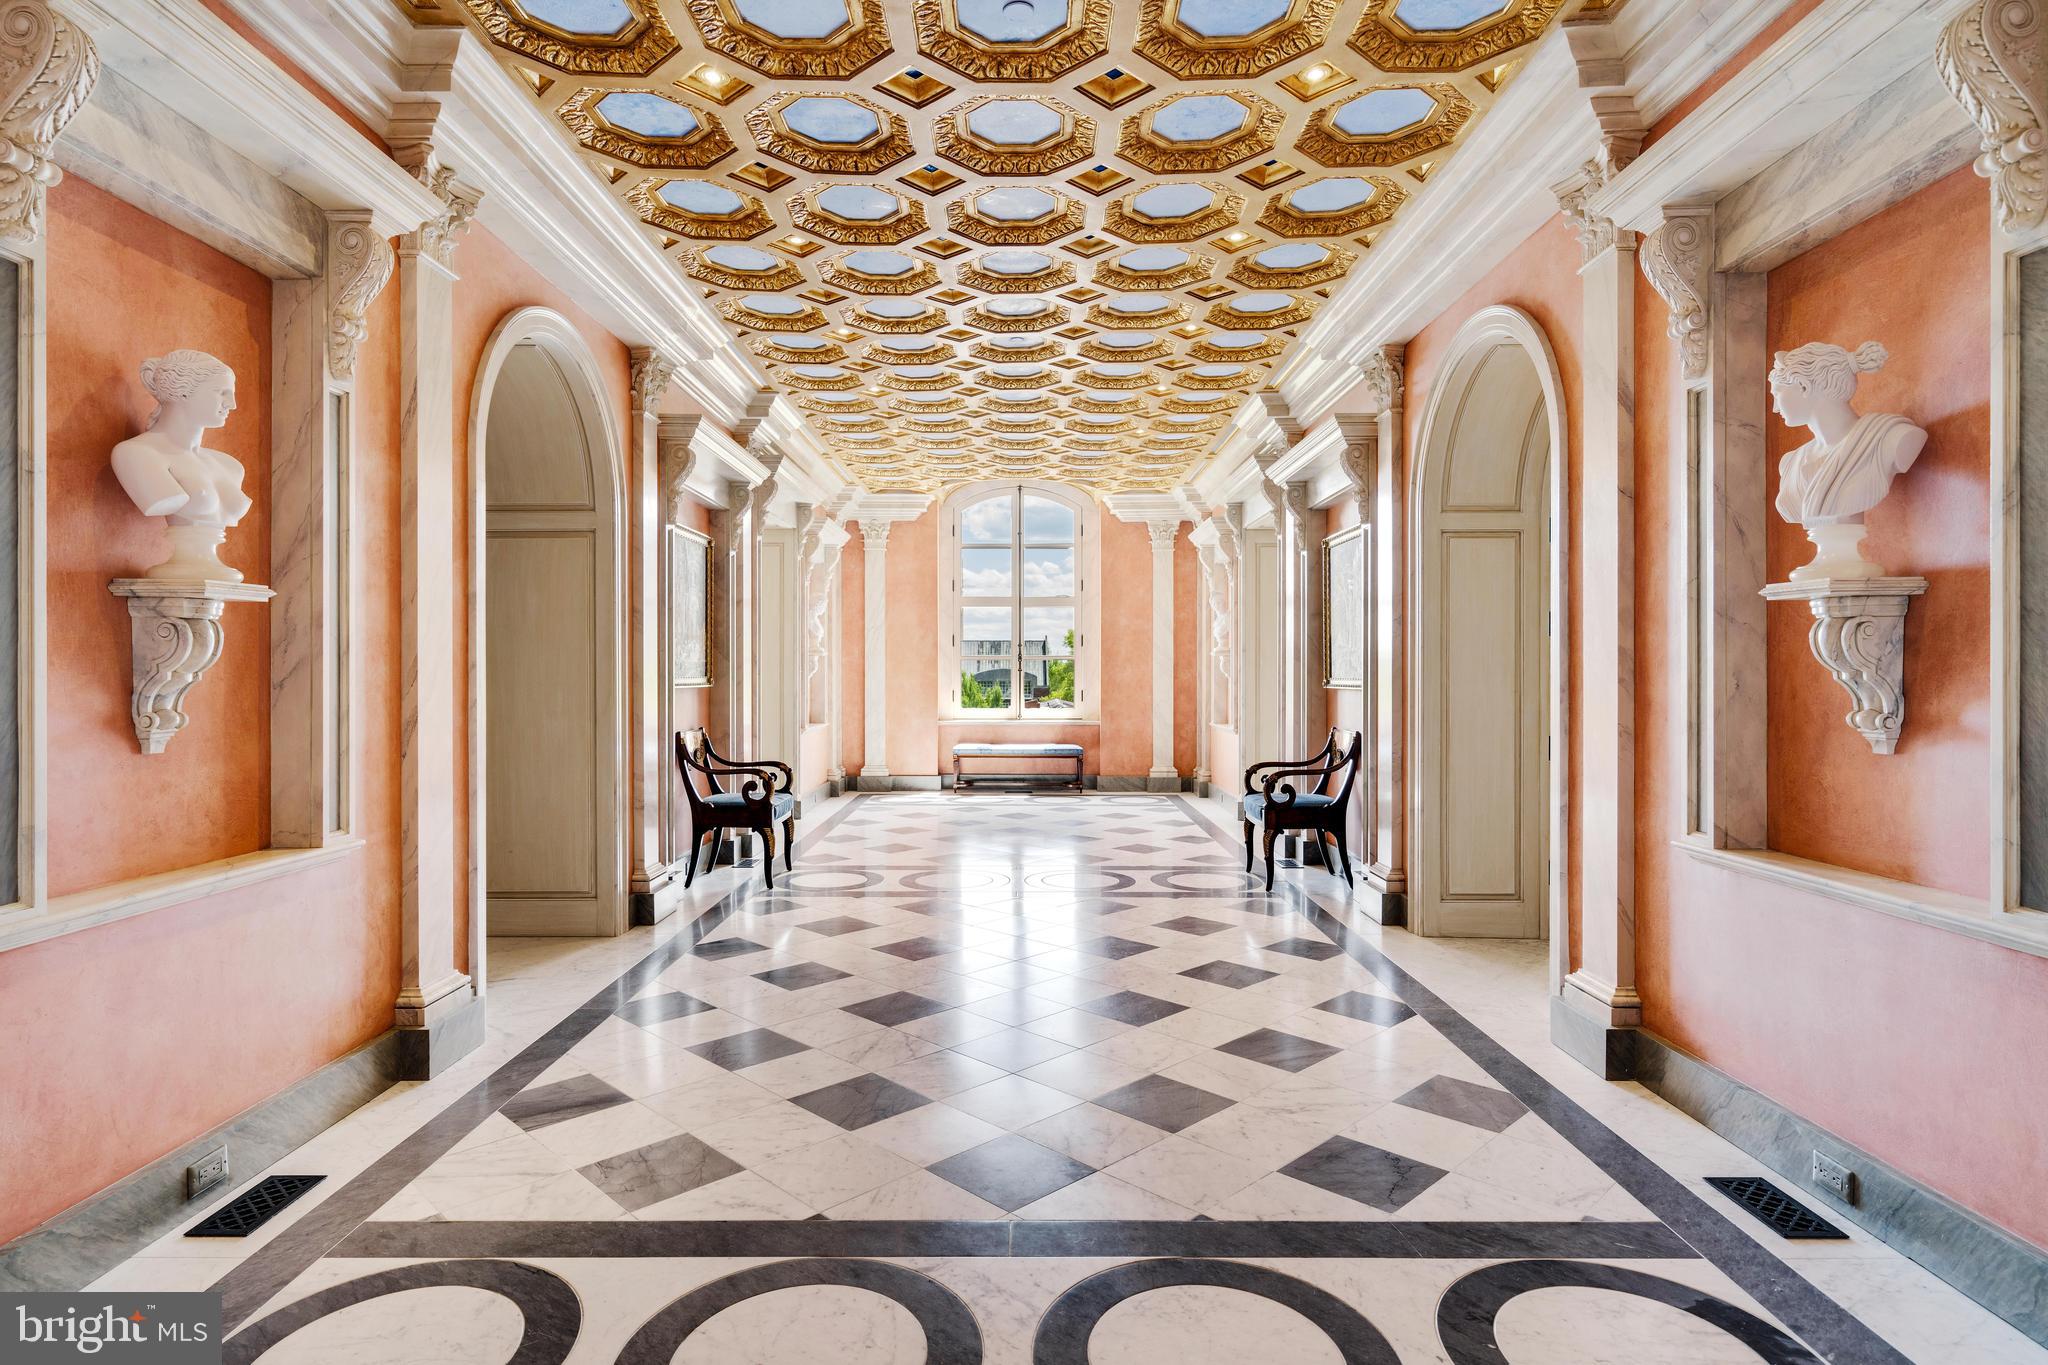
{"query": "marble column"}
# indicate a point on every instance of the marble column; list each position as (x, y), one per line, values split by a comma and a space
(1386, 855)
(1602, 980)
(1164, 776)
(874, 769)
(646, 683)
(433, 995)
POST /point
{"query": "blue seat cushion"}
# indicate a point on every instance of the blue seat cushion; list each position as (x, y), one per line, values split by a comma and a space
(784, 803)
(1255, 806)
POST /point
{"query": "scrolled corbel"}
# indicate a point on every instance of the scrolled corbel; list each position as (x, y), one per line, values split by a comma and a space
(1859, 635)
(1993, 57)
(48, 68)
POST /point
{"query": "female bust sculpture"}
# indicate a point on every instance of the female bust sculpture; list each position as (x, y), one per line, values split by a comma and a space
(1847, 468)
(167, 473)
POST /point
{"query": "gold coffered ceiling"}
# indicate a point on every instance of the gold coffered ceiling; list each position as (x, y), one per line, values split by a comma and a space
(1056, 238)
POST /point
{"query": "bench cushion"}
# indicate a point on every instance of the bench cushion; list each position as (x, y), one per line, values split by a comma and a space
(1016, 751)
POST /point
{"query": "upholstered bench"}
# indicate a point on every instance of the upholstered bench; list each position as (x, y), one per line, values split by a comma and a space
(1058, 751)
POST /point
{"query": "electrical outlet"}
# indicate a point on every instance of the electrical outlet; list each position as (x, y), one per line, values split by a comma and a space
(1834, 1177)
(210, 1170)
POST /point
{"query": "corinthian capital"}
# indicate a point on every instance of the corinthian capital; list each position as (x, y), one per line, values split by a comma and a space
(653, 372)
(47, 70)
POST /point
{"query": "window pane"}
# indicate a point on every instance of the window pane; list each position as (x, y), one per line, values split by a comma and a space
(987, 522)
(1047, 631)
(1048, 573)
(1047, 522)
(984, 684)
(985, 631)
(1049, 684)
(986, 573)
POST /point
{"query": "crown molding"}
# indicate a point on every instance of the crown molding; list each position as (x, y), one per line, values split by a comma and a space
(187, 60)
(539, 196)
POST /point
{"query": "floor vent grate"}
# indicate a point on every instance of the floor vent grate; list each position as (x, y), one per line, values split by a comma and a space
(1785, 1215)
(255, 1206)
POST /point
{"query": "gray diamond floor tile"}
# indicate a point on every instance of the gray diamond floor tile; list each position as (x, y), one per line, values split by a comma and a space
(898, 1007)
(1235, 975)
(1367, 1174)
(658, 1171)
(1372, 1009)
(1282, 1050)
(1479, 1105)
(1132, 1007)
(1011, 1171)
(748, 1049)
(560, 1101)
(861, 1101)
(1164, 1103)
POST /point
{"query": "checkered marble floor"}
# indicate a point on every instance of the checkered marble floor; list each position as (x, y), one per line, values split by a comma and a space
(1025, 1080)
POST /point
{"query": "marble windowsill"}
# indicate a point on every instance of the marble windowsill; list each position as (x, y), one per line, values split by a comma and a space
(124, 900)
(2024, 930)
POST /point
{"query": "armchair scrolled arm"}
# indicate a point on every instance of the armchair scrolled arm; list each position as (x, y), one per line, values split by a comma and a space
(1310, 795)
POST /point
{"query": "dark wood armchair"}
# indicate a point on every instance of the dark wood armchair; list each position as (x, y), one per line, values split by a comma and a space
(759, 802)
(1284, 799)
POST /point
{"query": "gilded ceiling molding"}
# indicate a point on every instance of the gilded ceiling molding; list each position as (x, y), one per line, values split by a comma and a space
(1083, 403)
(806, 319)
(991, 379)
(870, 322)
(782, 275)
(1113, 275)
(989, 350)
(980, 316)
(1183, 403)
(1143, 379)
(955, 140)
(48, 68)
(1212, 354)
(1386, 201)
(819, 403)
(1225, 315)
(1677, 260)
(751, 220)
(1382, 39)
(643, 44)
(1251, 375)
(900, 226)
(1067, 217)
(1058, 275)
(1043, 402)
(1140, 146)
(1994, 59)
(1097, 349)
(769, 349)
(1083, 38)
(709, 144)
(922, 383)
(835, 382)
(889, 144)
(359, 265)
(1172, 46)
(921, 276)
(1126, 222)
(1248, 272)
(1323, 141)
(853, 48)
(937, 353)
(1104, 316)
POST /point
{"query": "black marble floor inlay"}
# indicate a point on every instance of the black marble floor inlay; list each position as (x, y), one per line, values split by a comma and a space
(797, 976)
(656, 1009)
(561, 1101)
(1131, 1007)
(1112, 947)
(751, 1048)
(836, 925)
(1011, 1171)
(1194, 924)
(1235, 975)
(729, 947)
(1370, 1175)
(1370, 1008)
(918, 949)
(861, 1101)
(658, 1171)
(1164, 1102)
(898, 1007)
(1309, 948)
(1479, 1105)
(1277, 1049)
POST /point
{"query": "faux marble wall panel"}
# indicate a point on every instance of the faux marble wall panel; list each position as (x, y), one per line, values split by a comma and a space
(2032, 531)
(10, 570)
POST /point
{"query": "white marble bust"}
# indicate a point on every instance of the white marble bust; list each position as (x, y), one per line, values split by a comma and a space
(1847, 468)
(167, 473)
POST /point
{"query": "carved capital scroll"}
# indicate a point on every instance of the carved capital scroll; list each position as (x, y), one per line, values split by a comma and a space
(1385, 374)
(48, 68)
(653, 372)
(1677, 260)
(1994, 59)
(359, 263)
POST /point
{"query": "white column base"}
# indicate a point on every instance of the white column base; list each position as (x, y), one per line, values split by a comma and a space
(1162, 780)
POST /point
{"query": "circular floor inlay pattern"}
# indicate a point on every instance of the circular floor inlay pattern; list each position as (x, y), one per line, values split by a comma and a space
(823, 1331)
(1203, 1325)
(1182, 879)
(952, 879)
(1071, 1332)
(1079, 879)
(807, 1325)
(1577, 1326)
(435, 1327)
(830, 880)
(1472, 1316)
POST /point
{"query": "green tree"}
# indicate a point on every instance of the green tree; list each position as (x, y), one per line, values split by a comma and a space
(975, 694)
(1059, 675)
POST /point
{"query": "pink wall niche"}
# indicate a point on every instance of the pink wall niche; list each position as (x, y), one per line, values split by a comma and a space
(1921, 814)
(86, 1106)
(1760, 980)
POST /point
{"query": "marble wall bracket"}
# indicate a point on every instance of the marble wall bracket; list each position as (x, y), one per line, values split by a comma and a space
(175, 636)
(1859, 633)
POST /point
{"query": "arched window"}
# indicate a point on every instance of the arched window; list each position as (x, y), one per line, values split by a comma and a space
(1017, 618)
